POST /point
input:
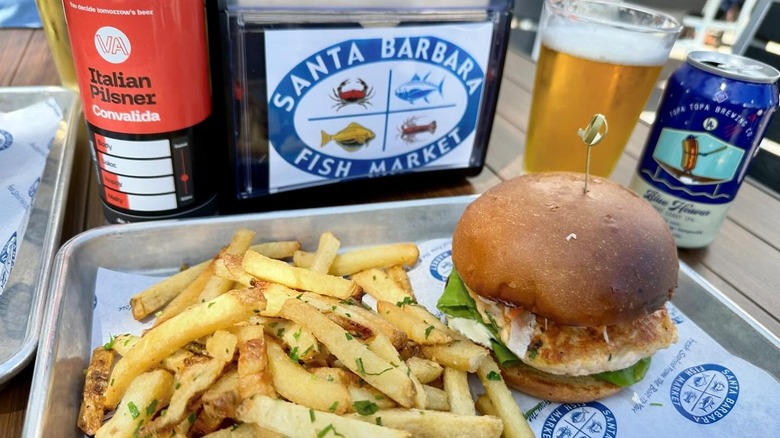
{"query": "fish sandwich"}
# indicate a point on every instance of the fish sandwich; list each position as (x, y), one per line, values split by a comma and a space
(567, 288)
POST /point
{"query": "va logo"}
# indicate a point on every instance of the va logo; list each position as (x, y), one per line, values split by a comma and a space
(112, 44)
(6, 139)
(580, 420)
(441, 266)
(705, 394)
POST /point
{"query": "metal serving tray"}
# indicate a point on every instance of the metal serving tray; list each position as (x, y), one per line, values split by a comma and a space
(23, 301)
(65, 344)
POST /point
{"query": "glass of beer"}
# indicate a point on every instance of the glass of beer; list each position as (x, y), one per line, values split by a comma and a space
(595, 57)
(56, 29)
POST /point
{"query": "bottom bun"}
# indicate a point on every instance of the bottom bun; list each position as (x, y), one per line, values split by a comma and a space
(557, 388)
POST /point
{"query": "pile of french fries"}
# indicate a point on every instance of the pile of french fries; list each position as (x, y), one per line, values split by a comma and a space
(272, 341)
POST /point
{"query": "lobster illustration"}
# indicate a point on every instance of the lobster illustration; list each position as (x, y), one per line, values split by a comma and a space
(409, 130)
(357, 96)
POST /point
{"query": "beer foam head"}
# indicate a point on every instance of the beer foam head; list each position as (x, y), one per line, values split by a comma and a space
(611, 45)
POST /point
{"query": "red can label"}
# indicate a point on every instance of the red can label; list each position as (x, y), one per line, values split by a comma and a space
(142, 66)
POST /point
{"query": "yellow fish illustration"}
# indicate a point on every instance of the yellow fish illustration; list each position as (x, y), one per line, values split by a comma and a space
(351, 138)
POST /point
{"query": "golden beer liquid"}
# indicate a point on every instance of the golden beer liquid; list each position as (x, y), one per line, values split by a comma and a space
(56, 29)
(568, 91)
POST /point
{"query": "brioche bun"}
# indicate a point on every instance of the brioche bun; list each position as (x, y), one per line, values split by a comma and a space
(599, 258)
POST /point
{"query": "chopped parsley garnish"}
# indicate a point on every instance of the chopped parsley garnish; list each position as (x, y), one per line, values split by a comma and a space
(110, 344)
(428, 331)
(133, 410)
(325, 431)
(210, 304)
(349, 337)
(192, 417)
(362, 370)
(297, 335)
(493, 376)
(311, 415)
(152, 408)
(294, 354)
(378, 421)
(405, 301)
(280, 332)
(334, 406)
(365, 407)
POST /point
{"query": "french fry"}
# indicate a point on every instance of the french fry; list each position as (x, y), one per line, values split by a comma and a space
(359, 314)
(485, 406)
(461, 355)
(379, 285)
(219, 402)
(296, 384)
(456, 385)
(300, 341)
(95, 384)
(217, 286)
(356, 260)
(327, 250)
(436, 399)
(245, 331)
(376, 371)
(254, 374)
(298, 421)
(245, 430)
(187, 297)
(146, 394)
(425, 370)
(436, 424)
(506, 408)
(418, 330)
(401, 278)
(277, 250)
(229, 267)
(190, 384)
(122, 344)
(222, 345)
(195, 322)
(271, 270)
(156, 296)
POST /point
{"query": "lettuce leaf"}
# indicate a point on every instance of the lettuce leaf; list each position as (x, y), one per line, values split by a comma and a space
(457, 303)
(626, 376)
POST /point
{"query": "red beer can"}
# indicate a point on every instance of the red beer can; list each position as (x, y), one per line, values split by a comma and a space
(143, 76)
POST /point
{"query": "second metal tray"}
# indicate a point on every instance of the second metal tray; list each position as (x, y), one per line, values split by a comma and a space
(23, 301)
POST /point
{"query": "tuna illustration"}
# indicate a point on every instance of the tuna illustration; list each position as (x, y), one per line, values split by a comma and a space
(418, 88)
(351, 138)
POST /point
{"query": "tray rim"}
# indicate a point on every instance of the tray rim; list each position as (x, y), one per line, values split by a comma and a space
(42, 373)
(53, 226)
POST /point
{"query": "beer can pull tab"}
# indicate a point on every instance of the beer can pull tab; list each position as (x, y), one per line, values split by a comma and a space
(591, 135)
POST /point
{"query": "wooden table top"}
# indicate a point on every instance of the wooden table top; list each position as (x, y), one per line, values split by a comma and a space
(743, 262)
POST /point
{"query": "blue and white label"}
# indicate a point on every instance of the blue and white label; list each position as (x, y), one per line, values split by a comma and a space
(352, 103)
(705, 394)
(580, 420)
(7, 259)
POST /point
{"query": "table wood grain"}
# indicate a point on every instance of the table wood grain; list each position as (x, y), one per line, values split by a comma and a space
(743, 262)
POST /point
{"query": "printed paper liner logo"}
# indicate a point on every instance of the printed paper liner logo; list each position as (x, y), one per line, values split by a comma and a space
(705, 394)
(375, 106)
(441, 266)
(6, 139)
(580, 420)
(7, 260)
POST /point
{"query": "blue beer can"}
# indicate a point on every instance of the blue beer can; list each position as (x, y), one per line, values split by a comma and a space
(708, 126)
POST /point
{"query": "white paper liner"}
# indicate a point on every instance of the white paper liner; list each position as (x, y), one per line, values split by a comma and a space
(26, 136)
(693, 388)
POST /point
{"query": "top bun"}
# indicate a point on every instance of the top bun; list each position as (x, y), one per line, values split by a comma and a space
(538, 242)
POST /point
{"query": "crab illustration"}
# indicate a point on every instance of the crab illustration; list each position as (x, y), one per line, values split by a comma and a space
(358, 96)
